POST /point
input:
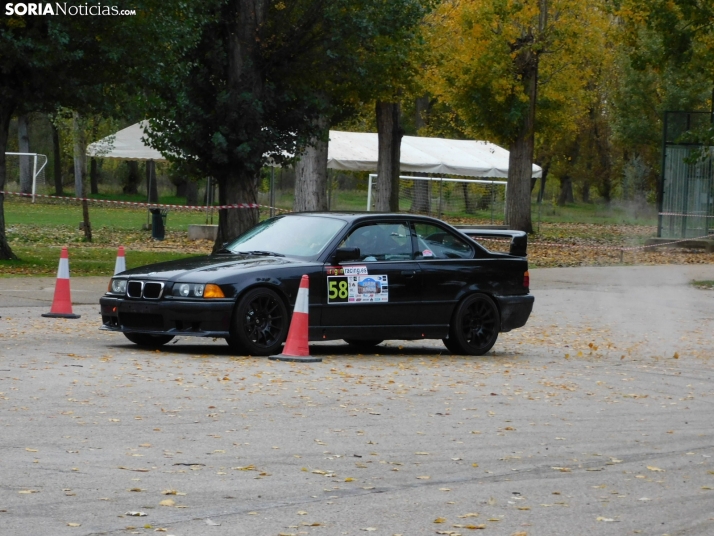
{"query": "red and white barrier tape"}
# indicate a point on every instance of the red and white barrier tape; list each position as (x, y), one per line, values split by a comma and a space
(147, 205)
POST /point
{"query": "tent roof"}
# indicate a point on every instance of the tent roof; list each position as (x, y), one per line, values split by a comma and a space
(357, 151)
(354, 151)
(125, 145)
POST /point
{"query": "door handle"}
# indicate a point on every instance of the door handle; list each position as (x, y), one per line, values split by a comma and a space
(408, 273)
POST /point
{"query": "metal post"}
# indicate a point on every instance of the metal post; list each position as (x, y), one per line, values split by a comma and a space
(208, 196)
(369, 192)
(493, 200)
(660, 196)
(34, 177)
(441, 195)
(272, 191)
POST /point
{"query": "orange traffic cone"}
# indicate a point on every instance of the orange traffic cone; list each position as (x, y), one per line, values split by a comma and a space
(62, 302)
(120, 264)
(296, 347)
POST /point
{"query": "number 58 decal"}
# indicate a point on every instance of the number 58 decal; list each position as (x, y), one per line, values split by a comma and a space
(337, 290)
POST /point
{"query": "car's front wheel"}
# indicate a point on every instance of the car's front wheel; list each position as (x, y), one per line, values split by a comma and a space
(152, 341)
(474, 327)
(260, 323)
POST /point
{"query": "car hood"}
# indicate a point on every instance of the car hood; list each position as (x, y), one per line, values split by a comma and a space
(212, 268)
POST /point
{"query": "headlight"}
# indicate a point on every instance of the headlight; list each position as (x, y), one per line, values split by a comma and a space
(198, 290)
(117, 286)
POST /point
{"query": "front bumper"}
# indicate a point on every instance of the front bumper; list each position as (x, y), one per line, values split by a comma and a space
(515, 310)
(167, 316)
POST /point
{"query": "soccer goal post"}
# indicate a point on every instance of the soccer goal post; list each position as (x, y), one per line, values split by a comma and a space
(39, 161)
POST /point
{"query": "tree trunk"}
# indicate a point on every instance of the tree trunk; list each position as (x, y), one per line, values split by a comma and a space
(132, 181)
(311, 174)
(80, 157)
(93, 176)
(421, 192)
(518, 203)
(23, 142)
(152, 189)
(586, 191)
(234, 221)
(5, 114)
(80, 169)
(544, 176)
(389, 134)
(566, 190)
(191, 193)
(244, 77)
(520, 160)
(57, 155)
(469, 200)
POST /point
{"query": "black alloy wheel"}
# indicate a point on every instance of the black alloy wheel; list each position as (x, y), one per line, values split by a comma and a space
(474, 327)
(152, 341)
(260, 323)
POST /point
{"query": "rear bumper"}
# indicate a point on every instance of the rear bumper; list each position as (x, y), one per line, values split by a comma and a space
(515, 310)
(167, 317)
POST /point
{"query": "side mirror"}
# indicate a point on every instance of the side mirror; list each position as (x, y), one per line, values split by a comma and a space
(347, 254)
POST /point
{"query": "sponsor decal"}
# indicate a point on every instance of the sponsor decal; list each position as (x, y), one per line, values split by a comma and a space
(427, 253)
(355, 270)
(334, 270)
(357, 288)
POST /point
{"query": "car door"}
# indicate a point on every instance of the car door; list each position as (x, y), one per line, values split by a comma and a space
(382, 288)
(449, 270)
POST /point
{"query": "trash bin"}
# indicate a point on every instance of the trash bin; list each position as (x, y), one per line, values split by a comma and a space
(158, 223)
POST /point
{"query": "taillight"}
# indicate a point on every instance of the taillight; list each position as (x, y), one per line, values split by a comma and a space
(526, 279)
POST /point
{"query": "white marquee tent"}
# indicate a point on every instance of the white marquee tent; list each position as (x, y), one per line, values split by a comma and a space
(355, 151)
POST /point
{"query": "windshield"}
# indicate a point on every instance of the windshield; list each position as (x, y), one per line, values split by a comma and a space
(299, 236)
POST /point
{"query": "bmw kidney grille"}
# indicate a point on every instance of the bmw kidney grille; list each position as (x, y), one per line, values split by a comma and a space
(148, 290)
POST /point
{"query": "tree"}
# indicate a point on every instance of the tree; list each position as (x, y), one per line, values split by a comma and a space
(248, 90)
(366, 50)
(497, 63)
(91, 62)
(665, 63)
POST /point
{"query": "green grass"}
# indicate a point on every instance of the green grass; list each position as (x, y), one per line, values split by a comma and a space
(68, 214)
(84, 261)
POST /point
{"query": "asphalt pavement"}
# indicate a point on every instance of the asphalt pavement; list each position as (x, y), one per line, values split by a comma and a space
(596, 418)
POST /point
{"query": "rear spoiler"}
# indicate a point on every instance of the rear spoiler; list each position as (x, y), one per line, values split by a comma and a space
(519, 239)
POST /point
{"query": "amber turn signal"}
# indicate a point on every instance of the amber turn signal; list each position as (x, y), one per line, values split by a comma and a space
(213, 291)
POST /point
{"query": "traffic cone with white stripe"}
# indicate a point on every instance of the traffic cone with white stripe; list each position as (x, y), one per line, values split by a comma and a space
(120, 264)
(296, 346)
(62, 301)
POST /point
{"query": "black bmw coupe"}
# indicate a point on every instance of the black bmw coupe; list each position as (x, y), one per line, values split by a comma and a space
(372, 277)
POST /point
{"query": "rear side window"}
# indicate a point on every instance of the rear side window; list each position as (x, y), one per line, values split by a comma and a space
(433, 242)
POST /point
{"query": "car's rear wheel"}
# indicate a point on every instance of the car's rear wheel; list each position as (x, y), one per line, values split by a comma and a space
(260, 323)
(474, 327)
(366, 344)
(152, 341)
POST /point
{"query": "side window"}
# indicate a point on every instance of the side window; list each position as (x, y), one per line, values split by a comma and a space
(381, 242)
(436, 243)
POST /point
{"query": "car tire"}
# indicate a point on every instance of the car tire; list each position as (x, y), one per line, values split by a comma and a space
(152, 341)
(474, 326)
(260, 323)
(366, 344)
